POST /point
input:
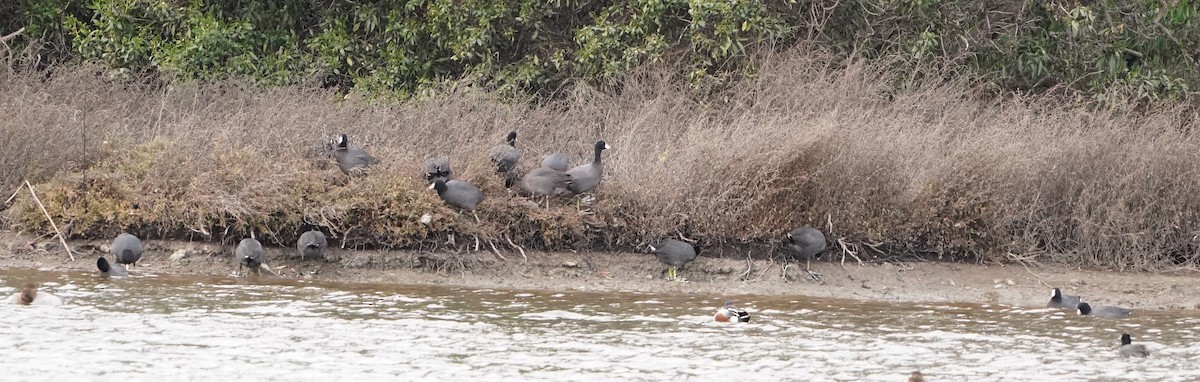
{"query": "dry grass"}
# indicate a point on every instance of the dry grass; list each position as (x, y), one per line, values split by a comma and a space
(931, 171)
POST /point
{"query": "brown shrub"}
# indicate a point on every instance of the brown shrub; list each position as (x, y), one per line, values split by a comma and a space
(928, 170)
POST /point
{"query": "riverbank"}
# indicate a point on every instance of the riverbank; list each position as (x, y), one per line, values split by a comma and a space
(1012, 284)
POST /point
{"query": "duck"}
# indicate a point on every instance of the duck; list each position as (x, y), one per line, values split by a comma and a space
(249, 254)
(351, 160)
(311, 243)
(557, 161)
(1128, 349)
(437, 168)
(459, 194)
(586, 177)
(126, 249)
(916, 376)
(505, 157)
(675, 254)
(545, 181)
(1059, 300)
(107, 270)
(806, 243)
(31, 296)
(729, 313)
(1086, 309)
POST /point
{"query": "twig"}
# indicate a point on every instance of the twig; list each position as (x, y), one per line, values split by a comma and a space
(10, 36)
(14, 195)
(61, 239)
(749, 267)
(496, 251)
(764, 271)
(522, 250)
(268, 268)
(684, 238)
(875, 247)
(847, 251)
(1021, 260)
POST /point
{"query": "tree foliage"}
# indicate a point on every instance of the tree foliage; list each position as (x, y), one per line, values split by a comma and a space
(1116, 50)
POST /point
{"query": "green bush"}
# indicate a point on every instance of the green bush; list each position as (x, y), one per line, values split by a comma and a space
(1119, 52)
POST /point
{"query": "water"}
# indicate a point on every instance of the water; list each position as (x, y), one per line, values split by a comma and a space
(213, 329)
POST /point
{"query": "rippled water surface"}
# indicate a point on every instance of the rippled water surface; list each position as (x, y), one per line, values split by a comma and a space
(196, 328)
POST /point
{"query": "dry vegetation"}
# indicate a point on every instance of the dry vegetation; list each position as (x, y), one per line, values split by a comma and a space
(931, 171)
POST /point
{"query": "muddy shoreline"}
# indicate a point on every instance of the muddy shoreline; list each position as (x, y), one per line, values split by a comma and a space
(1013, 284)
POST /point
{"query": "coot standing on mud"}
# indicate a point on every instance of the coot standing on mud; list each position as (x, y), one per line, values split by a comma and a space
(249, 254)
(311, 243)
(806, 243)
(126, 249)
(675, 254)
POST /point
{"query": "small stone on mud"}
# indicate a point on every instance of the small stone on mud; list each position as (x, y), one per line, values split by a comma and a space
(570, 264)
(1010, 282)
(426, 219)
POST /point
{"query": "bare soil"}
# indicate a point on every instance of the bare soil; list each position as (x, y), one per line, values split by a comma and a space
(1013, 284)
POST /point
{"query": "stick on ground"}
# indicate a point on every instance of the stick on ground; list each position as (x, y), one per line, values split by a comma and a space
(10, 36)
(522, 250)
(14, 195)
(61, 239)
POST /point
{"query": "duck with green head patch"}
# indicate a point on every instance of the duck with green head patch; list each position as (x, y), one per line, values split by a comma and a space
(730, 313)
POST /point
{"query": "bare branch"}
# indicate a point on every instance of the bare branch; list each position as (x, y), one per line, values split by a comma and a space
(61, 239)
(10, 36)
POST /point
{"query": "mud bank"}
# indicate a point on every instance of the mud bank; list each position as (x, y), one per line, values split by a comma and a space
(1014, 284)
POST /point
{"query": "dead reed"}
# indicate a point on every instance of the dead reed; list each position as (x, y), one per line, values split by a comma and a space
(931, 170)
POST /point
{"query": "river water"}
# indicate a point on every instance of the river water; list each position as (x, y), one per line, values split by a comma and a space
(168, 328)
